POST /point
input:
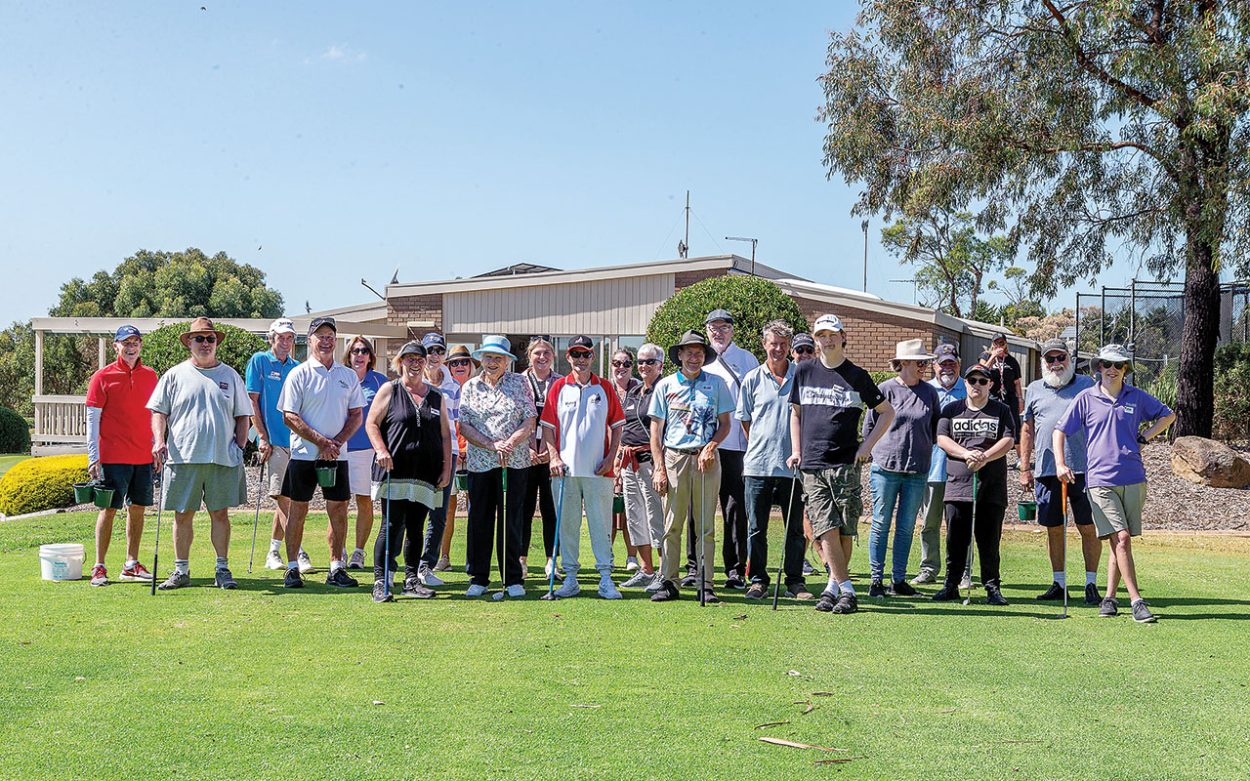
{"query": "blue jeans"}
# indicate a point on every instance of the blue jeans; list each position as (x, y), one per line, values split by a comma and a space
(433, 542)
(903, 491)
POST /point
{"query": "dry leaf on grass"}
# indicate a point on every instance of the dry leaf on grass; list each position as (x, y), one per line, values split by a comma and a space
(793, 744)
(771, 724)
(834, 761)
(585, 705)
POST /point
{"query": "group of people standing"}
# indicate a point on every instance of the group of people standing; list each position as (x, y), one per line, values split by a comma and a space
(651, 457)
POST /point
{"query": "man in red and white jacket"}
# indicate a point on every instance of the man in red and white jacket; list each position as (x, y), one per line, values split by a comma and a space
(582, 422)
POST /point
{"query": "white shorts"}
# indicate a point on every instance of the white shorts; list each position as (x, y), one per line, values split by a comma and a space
(360, 471)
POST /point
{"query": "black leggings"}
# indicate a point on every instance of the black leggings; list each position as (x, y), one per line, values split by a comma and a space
(485, 528)
(538, 495)
(407, 517)
(989, 531)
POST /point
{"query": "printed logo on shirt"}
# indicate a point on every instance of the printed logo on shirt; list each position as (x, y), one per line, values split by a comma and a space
(975, 427)
(343, 384)
(225, 386)
(829, 397)
(1130, 409)
(275, 375)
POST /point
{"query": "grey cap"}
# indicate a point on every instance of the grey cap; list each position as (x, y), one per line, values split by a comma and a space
(718, 314)
(1115, 353)
(1054, 345)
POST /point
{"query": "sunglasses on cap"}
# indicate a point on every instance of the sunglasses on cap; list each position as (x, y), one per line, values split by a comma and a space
(1056, 358)
(804, 350)
(622, 364)
(202, 339)
(1117, 365)
(648, 361)
(978, 380)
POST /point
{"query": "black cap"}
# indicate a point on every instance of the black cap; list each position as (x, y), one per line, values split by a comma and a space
(718, 314)
(581, 343)
(317, 322)
(412, 348)
(977, 368)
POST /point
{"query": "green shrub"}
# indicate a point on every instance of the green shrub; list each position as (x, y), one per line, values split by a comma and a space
(41, 484)
(14, 433)
(162, 349)
(1232, 392)
(753, 302)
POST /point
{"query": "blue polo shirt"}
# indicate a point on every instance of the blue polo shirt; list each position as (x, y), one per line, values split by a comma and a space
(369, 386)
(765, 404)
(946, 397)
(689, 408)
(1044, 405)
(265, 375)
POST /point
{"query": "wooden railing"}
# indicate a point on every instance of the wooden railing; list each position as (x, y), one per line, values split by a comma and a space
(60, 420)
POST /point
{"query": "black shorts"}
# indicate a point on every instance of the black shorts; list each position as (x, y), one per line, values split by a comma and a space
(1050, 504)
(300, 482)
(131, 484)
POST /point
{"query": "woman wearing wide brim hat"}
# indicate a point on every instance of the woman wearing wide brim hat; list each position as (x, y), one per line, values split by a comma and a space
(494, 345)
(201, 325)
(900, 464)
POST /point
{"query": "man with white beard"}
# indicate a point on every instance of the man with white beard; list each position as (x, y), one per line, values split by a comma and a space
(950, 390)
(1046, 400)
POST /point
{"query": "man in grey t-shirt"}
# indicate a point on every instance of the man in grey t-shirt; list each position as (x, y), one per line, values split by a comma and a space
(200, 413)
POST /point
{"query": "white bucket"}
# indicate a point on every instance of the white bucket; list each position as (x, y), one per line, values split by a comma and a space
(61, 562)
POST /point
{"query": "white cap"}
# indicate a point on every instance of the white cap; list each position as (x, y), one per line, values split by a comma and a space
(282, 326)
(827, 323)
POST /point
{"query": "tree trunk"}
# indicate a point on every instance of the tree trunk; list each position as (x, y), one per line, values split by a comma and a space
(1195, 395)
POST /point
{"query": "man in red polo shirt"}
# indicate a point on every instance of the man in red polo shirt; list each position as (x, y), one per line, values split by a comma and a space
(119, 448)
(582, 424)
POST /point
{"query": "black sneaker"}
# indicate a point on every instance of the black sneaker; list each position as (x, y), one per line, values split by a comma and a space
(1108, 608)
(847, 603)
(947, 593)
(292, 578)
(1092, 597)
(826, 602)
(901, 588)
(224, 579)
(735, 582)
(380, 594)
(757, 591)
(689, 580)
(415, 588)
(1142, 614)
(1054, 593)
(340, 579)
(175, 580)
(799, 591)
(877, 589)
(709, 597)
(994, 595)
(666, 592)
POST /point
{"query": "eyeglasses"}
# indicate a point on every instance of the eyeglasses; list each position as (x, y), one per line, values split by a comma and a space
(437, 351)
(649, 361)
(454, 362)
(978, 380)
(622, 364)
(1056, 358)
(361, 351)
(201, 339)
(805, 350)
(720, 329)
(1117, 365)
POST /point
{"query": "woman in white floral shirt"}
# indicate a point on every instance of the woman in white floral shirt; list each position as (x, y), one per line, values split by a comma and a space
(497, 418)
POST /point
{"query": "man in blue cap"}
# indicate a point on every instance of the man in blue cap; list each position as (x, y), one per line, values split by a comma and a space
(119, 448)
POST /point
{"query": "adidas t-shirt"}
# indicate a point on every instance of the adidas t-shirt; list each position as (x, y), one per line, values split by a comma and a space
(976, 429)
(830, 404)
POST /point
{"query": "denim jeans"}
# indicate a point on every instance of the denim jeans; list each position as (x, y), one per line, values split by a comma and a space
(891, 491)
(761, 494)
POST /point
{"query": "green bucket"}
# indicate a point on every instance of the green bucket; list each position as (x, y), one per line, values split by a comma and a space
(327, 473)
(1027, 508)
(462, 481)
(618, 504)
(103, 497)
(84, 493)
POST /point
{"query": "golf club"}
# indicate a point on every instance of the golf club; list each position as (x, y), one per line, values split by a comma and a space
(555, 545)
(386, 542)
(256, 521)
(1063, 507)
(702, 585)
(160, 505)
(785, 539)
(501, 513)
(972, 538)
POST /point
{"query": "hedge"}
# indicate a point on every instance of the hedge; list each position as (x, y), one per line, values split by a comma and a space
(41, 484)
(162, 349)
(14, 433)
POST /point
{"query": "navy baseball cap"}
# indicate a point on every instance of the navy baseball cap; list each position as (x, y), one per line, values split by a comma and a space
(946, 352)
(803, 340)
(125, 332)
(433, 339)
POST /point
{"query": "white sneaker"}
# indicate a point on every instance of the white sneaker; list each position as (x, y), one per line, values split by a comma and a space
(305, 563)
(547, 569)
(966, 583)
(516, 590)
(357, 561)
(631, 563)
(428, 578)
(640, 579)
(443, 564)
(657, 583)
(476, 590)
(570, 587)
(274, 561)
(607, 589)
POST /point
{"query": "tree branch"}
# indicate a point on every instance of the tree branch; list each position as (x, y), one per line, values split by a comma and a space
(1092, 68)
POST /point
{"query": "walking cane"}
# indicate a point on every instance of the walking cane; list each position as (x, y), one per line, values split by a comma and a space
(972, 539)
(160, 505)
(1063, 506)
(785, 541)
(256, 520)
(555, 545)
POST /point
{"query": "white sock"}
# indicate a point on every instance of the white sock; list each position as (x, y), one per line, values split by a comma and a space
(1091, 578)
(847, 588)
(182, 566)
(275, 546)
(361, 551)
(222, 563)
(1061, 578)
(292, 564)
(99, 564)
(832, 585)
(130, 563)
(335, 566)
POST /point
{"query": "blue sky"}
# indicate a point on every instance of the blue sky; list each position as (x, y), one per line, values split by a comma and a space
(326, 142)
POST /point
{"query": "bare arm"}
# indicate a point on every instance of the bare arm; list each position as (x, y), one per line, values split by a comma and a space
(993, 453)
(659, 477)
(160, 450)
(444, 477)
(262, 431)
(605, 466)
(241, 424)
(354, 418)
(885, 417)
(1057, 441)
(709, 450)
(373, 426)
(795, 432)
(1159, 426)
(328, 447)
(1026, 452)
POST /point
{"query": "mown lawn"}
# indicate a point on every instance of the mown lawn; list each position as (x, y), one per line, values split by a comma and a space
(267, 684)
(7, 462)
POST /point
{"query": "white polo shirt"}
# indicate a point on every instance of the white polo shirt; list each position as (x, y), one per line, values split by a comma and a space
(322, 398)
(580, 419)
(732, 366)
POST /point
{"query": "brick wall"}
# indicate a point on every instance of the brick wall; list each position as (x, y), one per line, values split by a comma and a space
(684, 279)
(400, 311)
(872, 336)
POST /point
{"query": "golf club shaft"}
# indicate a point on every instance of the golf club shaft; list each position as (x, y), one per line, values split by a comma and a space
(555, 543)
(502, 513)
(785, 538)
(256, 521)
(156, 555)
(702, 531)
(1063, 507)
(972, 535)
(386, 542)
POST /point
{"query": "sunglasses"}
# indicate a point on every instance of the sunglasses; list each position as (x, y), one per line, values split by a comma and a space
(979, 380)
(364, 351)
(580, 354)
(458, 362)
(648, 361)
(622, 364)
(1117, 365)
(437, 350)
(1056, 358)
(204, 339)
(805, 350)
(540, 338)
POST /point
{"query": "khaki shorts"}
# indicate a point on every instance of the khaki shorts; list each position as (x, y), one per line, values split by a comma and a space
(833, 499)
(275, 468)
(214, 486)
(1117, 508)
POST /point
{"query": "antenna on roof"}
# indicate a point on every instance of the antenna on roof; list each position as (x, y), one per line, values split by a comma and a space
(395, 276)
(683, 248)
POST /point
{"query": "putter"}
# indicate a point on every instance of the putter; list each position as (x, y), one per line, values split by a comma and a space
(1063, 507)
(972, 539)
(256, 521)
(386, 542)
(502, 512)
(702, 534)
(786, 537)
(160, 505)
(555, 548)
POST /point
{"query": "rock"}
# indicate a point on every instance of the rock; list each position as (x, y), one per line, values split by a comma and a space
(1211, 463)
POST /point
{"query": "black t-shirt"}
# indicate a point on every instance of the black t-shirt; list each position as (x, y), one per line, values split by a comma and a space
(976, 430)
(637, 431)
(830, 404)
(1004, 376)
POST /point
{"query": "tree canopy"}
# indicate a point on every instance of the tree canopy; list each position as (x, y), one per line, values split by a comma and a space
(951, 260)
(1088, 130)
(753, 301)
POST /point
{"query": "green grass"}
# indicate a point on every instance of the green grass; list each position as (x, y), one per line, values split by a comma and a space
(266, 684)
(7, 462)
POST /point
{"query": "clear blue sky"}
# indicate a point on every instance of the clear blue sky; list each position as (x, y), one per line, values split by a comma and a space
(326, 142)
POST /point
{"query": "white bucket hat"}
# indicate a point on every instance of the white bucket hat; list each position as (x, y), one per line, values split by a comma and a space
(911, 350)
